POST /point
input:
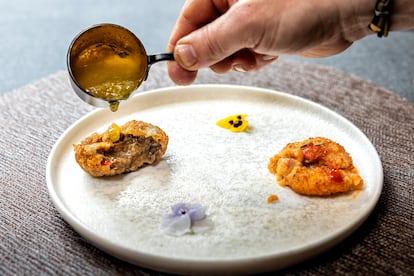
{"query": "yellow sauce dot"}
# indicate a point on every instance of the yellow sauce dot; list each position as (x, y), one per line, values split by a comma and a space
(114, 132)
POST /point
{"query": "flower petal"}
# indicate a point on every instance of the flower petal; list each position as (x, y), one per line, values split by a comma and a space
(197, 212)
(177, 208)
(235, 123)
(176, 225)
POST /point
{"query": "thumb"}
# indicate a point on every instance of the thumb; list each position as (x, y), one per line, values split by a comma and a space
(214, 42)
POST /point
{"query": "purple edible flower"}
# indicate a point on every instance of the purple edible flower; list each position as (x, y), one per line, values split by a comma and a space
(186, 218)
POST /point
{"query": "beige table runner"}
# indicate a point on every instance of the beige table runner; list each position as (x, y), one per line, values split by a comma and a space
(35, 240)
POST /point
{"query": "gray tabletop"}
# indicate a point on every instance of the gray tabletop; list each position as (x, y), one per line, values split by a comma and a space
(36, 240)
(35, 36)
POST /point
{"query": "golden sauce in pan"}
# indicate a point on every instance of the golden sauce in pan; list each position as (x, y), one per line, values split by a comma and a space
(108, 72)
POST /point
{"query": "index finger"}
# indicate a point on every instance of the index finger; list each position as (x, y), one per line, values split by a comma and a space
(195, 14)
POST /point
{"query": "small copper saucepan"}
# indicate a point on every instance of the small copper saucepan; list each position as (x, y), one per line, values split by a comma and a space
(107, 63)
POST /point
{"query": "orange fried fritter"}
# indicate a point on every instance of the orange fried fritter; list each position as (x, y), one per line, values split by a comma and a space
(315, 166)
(121, 149)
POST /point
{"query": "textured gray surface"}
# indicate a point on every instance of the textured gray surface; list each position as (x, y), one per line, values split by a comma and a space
(35, 36)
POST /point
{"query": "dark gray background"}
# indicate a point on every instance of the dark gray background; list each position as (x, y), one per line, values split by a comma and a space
(35, 36)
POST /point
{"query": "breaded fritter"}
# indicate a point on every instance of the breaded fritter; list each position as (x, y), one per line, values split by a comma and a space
(121, 149)
(317, 167)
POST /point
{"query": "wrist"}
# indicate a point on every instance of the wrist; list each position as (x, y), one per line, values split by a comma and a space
(356, 16)
(402, 15)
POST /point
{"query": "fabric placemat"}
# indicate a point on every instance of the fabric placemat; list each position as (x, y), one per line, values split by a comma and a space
(35, 240)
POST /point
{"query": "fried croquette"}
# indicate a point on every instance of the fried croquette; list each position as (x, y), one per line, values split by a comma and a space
(121, 149)
(315, 167)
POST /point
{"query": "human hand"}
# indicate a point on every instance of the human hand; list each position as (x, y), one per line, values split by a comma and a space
(246, 35)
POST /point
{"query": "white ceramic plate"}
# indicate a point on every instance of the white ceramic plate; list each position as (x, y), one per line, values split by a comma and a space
(225, 171)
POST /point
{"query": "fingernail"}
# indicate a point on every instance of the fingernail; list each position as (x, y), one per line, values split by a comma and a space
(186, 55)
(268, 58)
(239, 68)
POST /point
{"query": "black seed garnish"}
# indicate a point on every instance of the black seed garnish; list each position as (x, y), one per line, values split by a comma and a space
(239, 123)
